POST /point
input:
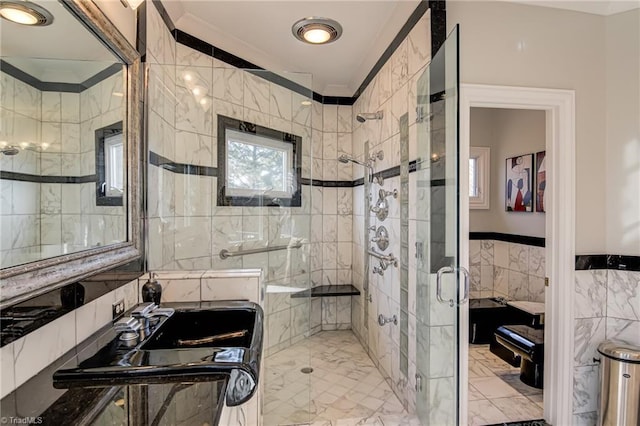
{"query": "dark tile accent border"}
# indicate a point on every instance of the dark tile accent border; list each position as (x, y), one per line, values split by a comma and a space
(46, 86)
(180, 168)
(141, 31)
(623, 263)
(24, 177)
(438, 23)
(524, 423)
(231, 59)
(607, 261)
(509, 238)
(55, 303)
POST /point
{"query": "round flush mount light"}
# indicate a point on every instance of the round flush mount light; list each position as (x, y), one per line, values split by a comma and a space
(316, 30)
(25, 13)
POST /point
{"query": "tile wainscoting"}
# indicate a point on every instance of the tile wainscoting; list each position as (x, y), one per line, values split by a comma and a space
(607, 306)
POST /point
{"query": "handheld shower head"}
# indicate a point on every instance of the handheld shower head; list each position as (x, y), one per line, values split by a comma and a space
(10, 150)
(344, 158)
(364, 116)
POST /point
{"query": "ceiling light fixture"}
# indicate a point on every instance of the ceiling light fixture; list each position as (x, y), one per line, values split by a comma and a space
(314, 30)
(25, 13)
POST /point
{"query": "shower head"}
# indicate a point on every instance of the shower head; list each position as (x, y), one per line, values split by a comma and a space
(344, 158)
(364, 116)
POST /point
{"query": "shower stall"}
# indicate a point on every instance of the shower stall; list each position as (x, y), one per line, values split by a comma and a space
(344, 212)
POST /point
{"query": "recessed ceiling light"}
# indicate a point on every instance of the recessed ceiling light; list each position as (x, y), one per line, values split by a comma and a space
(25, 13)
(316, 30)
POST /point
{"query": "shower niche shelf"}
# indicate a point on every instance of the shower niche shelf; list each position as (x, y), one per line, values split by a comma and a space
(328, 291)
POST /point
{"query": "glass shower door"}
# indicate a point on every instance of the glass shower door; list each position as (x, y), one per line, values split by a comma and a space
(440, 282)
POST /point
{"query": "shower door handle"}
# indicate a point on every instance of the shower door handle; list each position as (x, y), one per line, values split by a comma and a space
(449, 270)
(439, 274)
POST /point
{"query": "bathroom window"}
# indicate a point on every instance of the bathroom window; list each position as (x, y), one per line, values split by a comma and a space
(479, 177)
(257, 166)
(110, 169)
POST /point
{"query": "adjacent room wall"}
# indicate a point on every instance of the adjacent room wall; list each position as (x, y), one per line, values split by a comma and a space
(509, 133)
(518, 45)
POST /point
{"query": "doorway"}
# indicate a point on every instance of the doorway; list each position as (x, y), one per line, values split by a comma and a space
(559, 109)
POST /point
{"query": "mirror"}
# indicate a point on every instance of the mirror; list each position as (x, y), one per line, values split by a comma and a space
(68, 159)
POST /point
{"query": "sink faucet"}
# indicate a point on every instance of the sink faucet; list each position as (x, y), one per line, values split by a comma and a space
(148, 313)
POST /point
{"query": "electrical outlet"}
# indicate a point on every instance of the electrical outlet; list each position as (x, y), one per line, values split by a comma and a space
(117, 309)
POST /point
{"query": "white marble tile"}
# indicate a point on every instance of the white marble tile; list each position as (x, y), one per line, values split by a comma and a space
(242, 288)
(301, 112)
(7, 384)
(537, 263)
(344, 256)
(585, 419)
(191, 115)
(330, 118)
(519, 257)
(51, 106)
(623, 295)
(70, 107)
(279, 328)
(112, 90)
(585, 389)
(330, 146)
(486, 252)
(442, 401)
(93, 316)
(536, 289)
(329, 256)
(589, 333)
(193, 148)
(483, 412)
(193, 195)
(419, 45)
(180, 290)
(518, 286)
(493, 387)
(345, 119)
(441, 351)
(329, 227)
(345, 228)
(625, 330)
(518, 408)
(228, 85)
(280, 101)
(256, 93)
(57, 337)
(192, 237)
(501, 254)
(329, 200)
(399, 67)
(590, 293)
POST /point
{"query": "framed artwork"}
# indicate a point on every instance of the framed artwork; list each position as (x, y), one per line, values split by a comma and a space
(518, 184)
(541, 181)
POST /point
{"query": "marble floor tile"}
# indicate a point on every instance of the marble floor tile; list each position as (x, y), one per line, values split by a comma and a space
(344, 389)
(496, 394)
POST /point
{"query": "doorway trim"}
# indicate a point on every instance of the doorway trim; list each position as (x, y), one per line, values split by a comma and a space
(559, 106)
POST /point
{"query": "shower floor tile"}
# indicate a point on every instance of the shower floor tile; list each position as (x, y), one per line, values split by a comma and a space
(496, 394)
(345, 388)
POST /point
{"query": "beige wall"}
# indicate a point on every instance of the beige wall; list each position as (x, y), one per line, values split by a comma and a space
(509, 133)
(519, 45)
(123, 18)
(623, 133)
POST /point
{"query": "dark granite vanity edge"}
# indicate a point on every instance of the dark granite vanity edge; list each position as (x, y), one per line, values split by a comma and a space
(328, 291)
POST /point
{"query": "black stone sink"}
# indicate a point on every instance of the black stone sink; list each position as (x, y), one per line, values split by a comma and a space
(229, 328)
(201, 341)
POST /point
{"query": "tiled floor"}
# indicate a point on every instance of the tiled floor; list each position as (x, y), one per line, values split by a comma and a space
(496, 393)
(345, 388)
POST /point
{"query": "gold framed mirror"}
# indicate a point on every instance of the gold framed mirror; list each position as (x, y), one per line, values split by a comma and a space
(69, 150)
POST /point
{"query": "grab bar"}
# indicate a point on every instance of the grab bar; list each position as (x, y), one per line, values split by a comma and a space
(225, 254)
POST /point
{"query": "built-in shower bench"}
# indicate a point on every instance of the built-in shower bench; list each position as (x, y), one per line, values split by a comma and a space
(328, 291)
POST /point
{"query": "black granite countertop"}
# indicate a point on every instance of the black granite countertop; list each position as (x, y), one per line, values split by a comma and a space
(328, 291)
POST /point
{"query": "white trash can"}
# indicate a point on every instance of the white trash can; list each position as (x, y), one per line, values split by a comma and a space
(619, 384)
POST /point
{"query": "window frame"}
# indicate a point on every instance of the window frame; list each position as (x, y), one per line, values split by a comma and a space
(102, 197)
(482, 155)
(252, 134)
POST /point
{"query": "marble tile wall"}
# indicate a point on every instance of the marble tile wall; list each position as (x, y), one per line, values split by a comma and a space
(49, 219)
(187, 230)
(393, 91)
(24, 358)
(607, 306)
(20, 122)
(503, 269)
